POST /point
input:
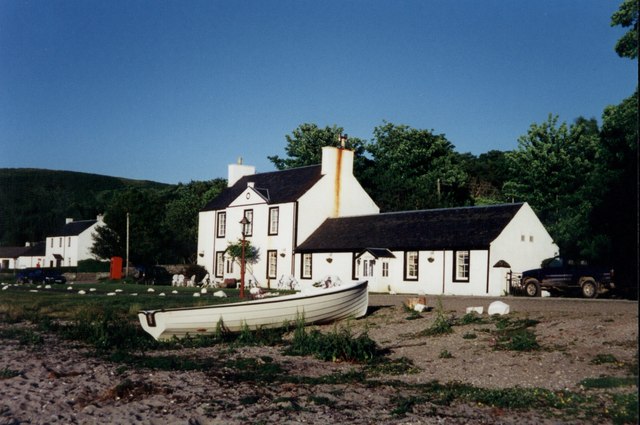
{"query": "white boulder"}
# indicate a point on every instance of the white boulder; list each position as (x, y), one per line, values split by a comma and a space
(478, 310)
(498, 307)
(220, 294)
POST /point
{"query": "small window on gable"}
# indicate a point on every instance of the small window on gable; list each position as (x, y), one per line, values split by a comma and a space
(274, 214)
(307, 266)
(461, 266)
(521, 238)
(531, 238)
(222, 224)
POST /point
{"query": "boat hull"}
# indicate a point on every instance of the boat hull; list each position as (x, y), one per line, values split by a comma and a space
(320, 306)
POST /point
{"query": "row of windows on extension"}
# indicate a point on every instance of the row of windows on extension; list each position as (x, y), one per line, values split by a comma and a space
(274, 216)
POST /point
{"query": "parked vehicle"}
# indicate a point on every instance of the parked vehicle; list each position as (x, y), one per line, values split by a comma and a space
(153, 275)
(39, 275)
(560, 275)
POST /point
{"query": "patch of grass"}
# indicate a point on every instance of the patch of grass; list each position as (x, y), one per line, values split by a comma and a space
(514, 335)
(625, 408)
(320, 400)
(469, 335)
(404, 405)
(250, 399)
(471, 318)
(609, 382)
(441, 325)
(604, 358)
(445, 354)
(338, 345)
(401, 366)
(7, 373)
(25, 337)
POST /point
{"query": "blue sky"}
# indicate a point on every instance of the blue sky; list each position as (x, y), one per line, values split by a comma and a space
(174, 91)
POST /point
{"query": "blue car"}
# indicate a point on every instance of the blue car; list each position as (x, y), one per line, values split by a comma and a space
(36, 275)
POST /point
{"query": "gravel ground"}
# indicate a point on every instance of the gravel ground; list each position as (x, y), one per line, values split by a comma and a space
(61, 383)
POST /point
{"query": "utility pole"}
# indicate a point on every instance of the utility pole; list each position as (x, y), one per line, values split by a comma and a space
(126, 264)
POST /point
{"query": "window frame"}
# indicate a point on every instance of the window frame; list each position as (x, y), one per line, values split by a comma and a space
(272, 262)
(274, 211)
(457, 277)
(407, 255)
(306, 258)
(385, 269)
(219, 265)
(248, 228)
(221, 224)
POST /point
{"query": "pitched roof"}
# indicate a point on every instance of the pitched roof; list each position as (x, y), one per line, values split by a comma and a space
(450, 228)
(276, 187)
(12, 251)
(76, 227)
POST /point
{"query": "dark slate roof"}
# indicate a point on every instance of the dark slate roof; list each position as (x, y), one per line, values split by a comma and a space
(450, 228)
(12, 251)
(76, 227)
(276, 187)
(38, 249)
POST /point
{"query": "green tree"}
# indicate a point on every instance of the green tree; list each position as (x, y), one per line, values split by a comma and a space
(627, 16)
(553, 170)
(617, 214)
(149, 239)
(181, 215)
(413, 169)
(304, 147)
(487, 173)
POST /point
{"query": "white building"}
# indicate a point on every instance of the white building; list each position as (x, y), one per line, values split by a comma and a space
(283, 207)
(72, 243)
(317, 221)
(20, 257)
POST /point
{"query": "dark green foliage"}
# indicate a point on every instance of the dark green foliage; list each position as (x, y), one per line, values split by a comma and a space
(514, 334)
(604, 358)
(625, 410)
(7, 373)
(609, 382)
(93, 266)
(441, 325)
(384, 366)
(627, 17)
(338, 345)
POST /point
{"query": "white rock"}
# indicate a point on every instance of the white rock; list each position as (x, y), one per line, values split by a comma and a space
(118, 291)
(498, 307)
(161, 294)
(81, 292)
(220, 294)
(545, 294)
(174, 292)
(92, 289)
(33, 290)
(196, 294)
(135, 294)
(478, 310)
(69, 288)
(151, 290)
(39, 286)
(111, 294)
(47, 287)
(419, 307)
(255, 291)
(203, 291)
(4, 288)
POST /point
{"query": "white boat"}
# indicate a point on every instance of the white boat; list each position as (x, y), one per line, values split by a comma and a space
(320, 306)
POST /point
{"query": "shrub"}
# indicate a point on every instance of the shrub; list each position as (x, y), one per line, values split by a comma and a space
(195, 269)
(441, 325)
(93, 266)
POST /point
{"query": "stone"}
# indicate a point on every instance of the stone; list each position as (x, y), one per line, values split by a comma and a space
(498, 307)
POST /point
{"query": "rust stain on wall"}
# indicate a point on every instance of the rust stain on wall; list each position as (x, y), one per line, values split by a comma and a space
(336, 193)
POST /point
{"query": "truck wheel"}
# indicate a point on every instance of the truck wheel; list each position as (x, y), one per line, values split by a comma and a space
(589, 288)
(532, 288)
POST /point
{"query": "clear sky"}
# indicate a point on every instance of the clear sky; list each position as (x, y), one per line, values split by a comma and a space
(173, 91)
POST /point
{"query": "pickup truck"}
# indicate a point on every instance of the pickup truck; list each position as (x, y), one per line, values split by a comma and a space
(560, 275)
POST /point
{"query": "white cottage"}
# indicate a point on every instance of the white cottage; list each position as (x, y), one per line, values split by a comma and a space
(72, 244)
(283, 208)
(317, 221)
(456, 251)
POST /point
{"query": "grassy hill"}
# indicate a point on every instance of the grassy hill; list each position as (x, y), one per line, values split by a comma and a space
(35, 202)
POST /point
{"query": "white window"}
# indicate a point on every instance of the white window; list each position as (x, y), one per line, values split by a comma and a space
(219, 264)
(307, 266)
(461, 266)
(385, 269)
(229, 265)
(248, 228)
(274, 214)
(272, 264)
(367, 267)
(222, 224)
(411, 265)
